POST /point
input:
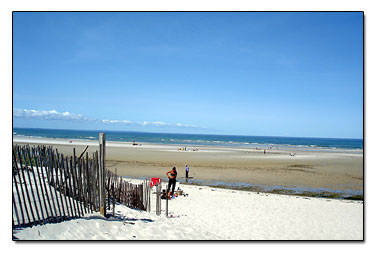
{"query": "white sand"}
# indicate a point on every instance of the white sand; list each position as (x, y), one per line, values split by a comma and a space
(217, 214)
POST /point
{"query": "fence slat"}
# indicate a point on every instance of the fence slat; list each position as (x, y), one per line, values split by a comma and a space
(119, 189)
(26, 188)
(88, 182)
(50, 181)
(97, 180)
(82, 181)
(93, 177)
(15, 171)
(114, 194)
(34, 151)
(68, 186)
(70, 183)
(58, 189)
(76, 185)
(27, 152)
(108, 188)
(60, 184)
(15, 210)
(30, 184)
(42, 155)
(52, 166)
(63, 186)
(84, 187)
(73, 185)
(102, 172)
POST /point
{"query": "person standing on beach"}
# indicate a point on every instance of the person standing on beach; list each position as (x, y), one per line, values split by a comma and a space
(171, 179)
(187, 171)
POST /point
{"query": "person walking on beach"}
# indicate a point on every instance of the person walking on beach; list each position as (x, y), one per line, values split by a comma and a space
(187, 171)
(171, 179)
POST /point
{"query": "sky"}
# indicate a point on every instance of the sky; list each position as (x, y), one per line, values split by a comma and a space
(296, 74)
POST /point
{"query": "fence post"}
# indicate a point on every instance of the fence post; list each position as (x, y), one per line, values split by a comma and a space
(166, 200)
(102, 173)
(113, 192)
(149, 202)
(158, 203)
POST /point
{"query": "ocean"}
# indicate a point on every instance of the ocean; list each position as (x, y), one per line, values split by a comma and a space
(195, 139)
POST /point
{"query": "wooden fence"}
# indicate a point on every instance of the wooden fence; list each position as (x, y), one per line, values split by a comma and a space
(50, 187)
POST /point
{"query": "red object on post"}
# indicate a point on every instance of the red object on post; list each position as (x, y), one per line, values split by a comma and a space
(155, 181)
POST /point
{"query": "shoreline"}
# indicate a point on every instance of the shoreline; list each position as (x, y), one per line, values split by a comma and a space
(328, 172)
(225, 145)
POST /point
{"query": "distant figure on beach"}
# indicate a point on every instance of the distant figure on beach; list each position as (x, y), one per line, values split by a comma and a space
(187, 171)
(171, 179)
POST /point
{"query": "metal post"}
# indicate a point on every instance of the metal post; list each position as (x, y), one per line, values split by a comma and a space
(102, 173)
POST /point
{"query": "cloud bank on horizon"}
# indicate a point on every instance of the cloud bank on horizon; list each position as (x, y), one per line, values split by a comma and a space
(55, 115)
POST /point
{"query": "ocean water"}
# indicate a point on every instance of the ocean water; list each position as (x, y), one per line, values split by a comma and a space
(195, 139)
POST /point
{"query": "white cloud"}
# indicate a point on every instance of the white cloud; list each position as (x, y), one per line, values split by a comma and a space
(118, 121)
(186, 125)
(154, 123)
(46, 115)
(54, 115)
(110, 121)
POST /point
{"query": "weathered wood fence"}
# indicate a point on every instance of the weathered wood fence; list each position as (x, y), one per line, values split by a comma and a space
(50, 187)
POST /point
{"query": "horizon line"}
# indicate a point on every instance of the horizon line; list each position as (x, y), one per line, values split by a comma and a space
(187, 133)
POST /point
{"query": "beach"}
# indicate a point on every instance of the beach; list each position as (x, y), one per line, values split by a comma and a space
(215, 214)
(311, 170)
(218, 205)
(256, 119)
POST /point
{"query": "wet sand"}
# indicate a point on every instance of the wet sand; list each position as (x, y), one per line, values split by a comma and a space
(319, 169)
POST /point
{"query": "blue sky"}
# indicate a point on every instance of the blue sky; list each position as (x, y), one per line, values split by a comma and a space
(270, 74)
